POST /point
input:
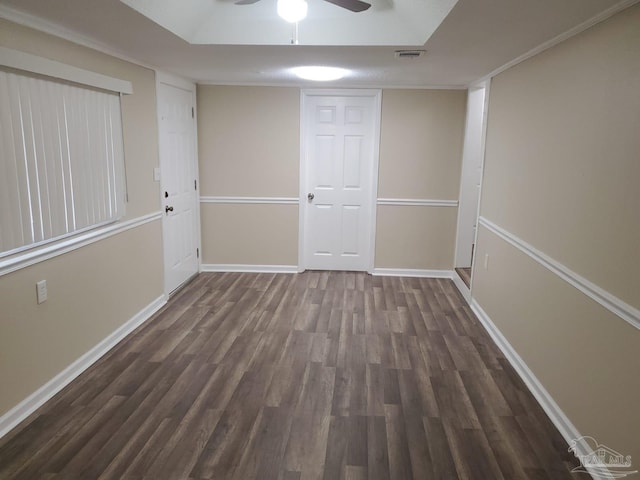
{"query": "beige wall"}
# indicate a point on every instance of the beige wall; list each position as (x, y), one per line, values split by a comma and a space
(586, 357)
(421, 134)
(415, 237)
(563, 152)
(95, 289)
(248, 234)
(561, 173)
(420, 157)
(92, 291)
(249, 141)
(249, 146)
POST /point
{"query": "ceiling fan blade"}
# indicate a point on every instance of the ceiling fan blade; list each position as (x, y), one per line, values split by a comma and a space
(246, 2)
(353, 5)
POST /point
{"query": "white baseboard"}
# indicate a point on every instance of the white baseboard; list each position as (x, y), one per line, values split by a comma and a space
(390, 272)
(232, 267)
(566, 428)
(17, 414)
(412, 272)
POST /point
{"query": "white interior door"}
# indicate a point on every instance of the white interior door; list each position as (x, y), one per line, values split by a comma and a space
(178, 174)
(339, 175)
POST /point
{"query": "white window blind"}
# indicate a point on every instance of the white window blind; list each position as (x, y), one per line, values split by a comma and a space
(62, 160)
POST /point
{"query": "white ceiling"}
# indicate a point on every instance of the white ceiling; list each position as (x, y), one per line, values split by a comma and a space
(476, 38)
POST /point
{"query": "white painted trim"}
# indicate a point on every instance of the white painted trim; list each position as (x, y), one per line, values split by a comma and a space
(51, 28)
(462, 287)
(463, 216)
(175, 81)
(254, 200)
(612, 303)
(230, 267)
(418, 202)
(306, 85)
(17, 414)
(197, 173)
(302, 183)
(43, 66)
(41, 254)
(412, 272)
(601, 17)
(485, 129)
(375, 178)
(566, 428)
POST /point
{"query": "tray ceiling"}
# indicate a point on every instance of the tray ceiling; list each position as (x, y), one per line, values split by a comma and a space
(222, 22)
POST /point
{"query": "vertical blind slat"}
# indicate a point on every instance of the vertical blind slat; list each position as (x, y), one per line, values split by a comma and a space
(20, 142)
(10, 218)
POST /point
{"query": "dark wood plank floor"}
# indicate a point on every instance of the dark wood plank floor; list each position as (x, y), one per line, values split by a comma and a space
(465, 275)
(293, 377)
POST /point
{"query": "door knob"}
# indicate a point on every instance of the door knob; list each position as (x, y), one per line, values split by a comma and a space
(168, 209)
(310, 196)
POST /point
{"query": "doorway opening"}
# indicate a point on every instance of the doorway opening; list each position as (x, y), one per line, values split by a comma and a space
(471, 181)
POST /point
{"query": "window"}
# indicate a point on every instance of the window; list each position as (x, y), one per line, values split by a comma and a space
(61, 159)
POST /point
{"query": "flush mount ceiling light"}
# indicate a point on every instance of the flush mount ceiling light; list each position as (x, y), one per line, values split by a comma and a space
(319, 74)
(292, 10)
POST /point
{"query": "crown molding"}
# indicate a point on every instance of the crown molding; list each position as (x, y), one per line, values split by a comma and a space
(51, 28)
(601, 17)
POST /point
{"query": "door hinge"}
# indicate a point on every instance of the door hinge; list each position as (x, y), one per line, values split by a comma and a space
(195, 184)
(198, 252)
(193, 113)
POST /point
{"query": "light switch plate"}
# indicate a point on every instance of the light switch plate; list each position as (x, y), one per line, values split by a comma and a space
(41, 290)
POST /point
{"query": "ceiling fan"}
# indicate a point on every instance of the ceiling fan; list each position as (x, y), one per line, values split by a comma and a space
(351, 5)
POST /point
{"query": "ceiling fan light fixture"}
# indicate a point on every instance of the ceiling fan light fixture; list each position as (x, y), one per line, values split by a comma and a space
(320, 73)
(292, 10)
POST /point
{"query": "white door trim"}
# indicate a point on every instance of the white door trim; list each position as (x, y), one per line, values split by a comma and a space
(179, 82)
(483, 149)
(376, 94)
(463, 214)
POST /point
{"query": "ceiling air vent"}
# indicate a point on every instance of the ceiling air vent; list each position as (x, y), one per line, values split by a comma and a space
(409, 54)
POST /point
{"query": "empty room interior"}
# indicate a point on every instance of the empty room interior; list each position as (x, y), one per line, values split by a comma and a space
(423, 265)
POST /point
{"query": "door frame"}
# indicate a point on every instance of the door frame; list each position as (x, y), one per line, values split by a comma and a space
(486, 85)
(179, 82)
(305, 94)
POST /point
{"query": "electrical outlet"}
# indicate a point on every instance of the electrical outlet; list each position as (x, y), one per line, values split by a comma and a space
(41, 290)
(486, 261)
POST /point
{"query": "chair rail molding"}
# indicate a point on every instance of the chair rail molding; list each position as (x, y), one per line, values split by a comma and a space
(40, 254)
(609, 301)
(250, 200)
(417, 202)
